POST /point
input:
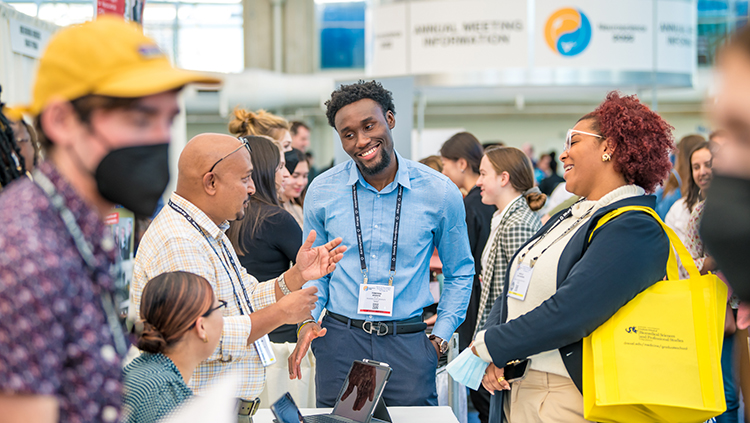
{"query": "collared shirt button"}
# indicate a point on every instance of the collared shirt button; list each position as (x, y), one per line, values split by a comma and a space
(109, 414)
(378, 195)
(374, 256)
(375, 226)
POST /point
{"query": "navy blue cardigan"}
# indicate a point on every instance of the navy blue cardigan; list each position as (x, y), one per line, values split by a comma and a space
(626, 255)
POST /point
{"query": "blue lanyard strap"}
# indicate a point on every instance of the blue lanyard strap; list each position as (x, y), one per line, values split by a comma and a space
(190, 220)
(394, 245)
(86, 251)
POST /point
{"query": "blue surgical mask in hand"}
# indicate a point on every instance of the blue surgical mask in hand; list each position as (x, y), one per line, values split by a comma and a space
(467, 369)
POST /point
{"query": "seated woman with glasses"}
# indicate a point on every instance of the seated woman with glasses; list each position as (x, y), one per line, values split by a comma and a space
(564, 283)
(181, 326)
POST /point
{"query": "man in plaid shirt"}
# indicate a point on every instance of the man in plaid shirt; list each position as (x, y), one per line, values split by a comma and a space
(214, 186)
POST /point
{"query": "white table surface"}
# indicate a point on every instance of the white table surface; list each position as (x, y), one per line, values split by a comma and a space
(398, 414)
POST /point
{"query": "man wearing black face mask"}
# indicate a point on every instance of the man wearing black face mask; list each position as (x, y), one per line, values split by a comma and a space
(104, 100)
(725, 228)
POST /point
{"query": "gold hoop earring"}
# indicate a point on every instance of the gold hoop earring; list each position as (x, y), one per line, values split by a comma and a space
(205, 339)
(606, 157)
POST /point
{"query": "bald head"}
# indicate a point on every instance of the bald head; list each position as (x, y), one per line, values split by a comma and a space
(200, 154)
(223, 192)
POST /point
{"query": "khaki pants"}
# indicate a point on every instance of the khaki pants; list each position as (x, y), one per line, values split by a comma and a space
(544, 397)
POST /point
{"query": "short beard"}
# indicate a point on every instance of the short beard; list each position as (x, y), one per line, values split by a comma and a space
(385, 161)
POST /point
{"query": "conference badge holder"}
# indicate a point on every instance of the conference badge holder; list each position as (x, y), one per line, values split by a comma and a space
(263, 346)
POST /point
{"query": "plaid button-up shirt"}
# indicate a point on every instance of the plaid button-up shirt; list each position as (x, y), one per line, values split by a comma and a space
(172, 243)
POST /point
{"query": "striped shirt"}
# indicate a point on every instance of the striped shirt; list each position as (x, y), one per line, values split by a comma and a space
(153, 388)
(172, 243)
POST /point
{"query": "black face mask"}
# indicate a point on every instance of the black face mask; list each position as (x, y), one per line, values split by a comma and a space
(725, 230)
(134, 177)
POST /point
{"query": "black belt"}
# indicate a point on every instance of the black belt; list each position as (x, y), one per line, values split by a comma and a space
(393, 327)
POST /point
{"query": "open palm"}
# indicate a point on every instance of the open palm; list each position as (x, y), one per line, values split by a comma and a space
(314, 263)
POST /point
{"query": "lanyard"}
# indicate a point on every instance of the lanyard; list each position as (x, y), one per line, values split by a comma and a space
(564, 216)
(394, 245)
(187, 217)
(87, 254)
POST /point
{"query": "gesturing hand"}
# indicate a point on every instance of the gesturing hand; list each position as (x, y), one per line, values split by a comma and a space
(314, 263)
(308, 332)
(298, 305)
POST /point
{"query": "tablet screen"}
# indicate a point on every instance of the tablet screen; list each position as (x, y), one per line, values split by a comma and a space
(361, 390)
(286, 410)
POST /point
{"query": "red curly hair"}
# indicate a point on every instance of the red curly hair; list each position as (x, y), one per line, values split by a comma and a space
(641, 140)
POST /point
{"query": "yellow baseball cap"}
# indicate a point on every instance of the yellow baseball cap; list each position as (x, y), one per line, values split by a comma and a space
(109, 57)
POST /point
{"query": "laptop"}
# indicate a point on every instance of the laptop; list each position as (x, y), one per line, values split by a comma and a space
(359, 400)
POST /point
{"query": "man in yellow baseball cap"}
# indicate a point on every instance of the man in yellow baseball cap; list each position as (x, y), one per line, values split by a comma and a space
(103, 102)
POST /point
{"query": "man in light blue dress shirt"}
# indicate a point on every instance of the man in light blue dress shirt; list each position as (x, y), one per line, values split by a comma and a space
(374, 299)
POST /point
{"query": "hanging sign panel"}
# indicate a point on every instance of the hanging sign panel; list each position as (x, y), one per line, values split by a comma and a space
(595, 35)
(114, 7)
(676, 50)
(389, 39)
(467, 35)
(438, 36)
(619, 36)
(457, 36)
(27, 39)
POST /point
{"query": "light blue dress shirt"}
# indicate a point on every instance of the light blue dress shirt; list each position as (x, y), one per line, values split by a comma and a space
(432, 215)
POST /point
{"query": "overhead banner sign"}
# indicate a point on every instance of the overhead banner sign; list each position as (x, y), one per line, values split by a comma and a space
(677, 39)
(467, 35)
(387, 28)
(619, 35)
(438, 36)
(27, 39)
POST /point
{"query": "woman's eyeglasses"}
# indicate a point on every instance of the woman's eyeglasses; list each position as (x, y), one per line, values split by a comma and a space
(569, 137)
(222, 304)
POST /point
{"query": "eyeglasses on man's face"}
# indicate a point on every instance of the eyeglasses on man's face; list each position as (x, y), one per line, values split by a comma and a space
(569, 136)
(245, 144)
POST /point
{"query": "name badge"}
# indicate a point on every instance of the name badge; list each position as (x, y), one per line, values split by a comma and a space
(520, 283)
(375, 299)
(263, 346)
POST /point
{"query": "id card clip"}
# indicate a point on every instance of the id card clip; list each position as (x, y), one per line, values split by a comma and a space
(265, 352)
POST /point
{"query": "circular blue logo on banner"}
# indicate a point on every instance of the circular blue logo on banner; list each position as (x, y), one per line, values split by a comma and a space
(568, 32)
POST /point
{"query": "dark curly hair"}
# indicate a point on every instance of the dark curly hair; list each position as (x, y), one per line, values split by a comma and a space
(348, 94)
(640, 139)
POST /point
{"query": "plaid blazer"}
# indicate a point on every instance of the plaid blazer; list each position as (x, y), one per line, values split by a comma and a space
(517, 226)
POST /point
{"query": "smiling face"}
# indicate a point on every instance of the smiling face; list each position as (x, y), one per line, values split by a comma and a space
(366, 135)
(490, 183)
(297, 182)
(701, 166)
(582, 163)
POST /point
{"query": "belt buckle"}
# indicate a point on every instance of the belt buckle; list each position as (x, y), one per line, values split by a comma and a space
(380, 325)
(249, 408)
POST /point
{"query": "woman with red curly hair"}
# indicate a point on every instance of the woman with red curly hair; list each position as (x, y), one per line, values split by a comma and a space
(560, 286)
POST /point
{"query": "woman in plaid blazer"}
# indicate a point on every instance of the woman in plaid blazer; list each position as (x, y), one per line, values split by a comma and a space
(506, 181)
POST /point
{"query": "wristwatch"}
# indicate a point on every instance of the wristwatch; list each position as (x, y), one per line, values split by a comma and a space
(282, 285)
(442, 343)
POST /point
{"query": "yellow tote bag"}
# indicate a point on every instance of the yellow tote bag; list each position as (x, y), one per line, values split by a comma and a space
(658, 359)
